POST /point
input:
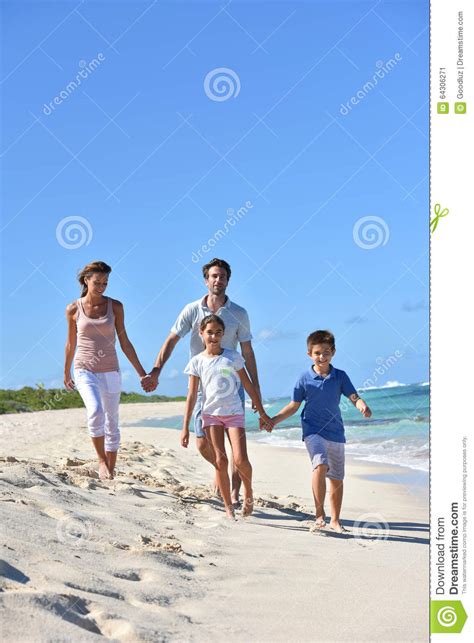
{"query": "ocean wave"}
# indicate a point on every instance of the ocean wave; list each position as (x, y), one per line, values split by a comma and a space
(404, 452)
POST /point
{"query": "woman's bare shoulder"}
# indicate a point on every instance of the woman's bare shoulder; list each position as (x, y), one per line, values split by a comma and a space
(71, 309)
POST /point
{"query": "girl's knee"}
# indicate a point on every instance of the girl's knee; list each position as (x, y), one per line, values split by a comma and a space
(222, 463)
(242, 462)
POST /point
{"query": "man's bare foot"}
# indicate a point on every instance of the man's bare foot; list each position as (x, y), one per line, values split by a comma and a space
(103, 470)
(248, 507)
(111, 474)
(336, 526)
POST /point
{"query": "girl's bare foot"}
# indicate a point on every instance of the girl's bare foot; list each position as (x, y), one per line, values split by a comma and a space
(319, 523)
(248, 507)
(103, 470)
(230, 513)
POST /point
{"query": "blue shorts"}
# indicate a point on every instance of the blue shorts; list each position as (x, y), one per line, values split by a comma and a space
(322, 451)
(198, 408)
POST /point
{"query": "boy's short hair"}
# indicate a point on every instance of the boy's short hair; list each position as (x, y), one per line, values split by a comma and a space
(321, 337)
(220, 263)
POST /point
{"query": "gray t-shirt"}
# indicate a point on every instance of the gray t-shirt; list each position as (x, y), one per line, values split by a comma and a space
(235, 318)
(219, 380)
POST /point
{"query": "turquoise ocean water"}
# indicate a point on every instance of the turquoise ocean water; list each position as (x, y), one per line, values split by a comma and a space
(397, 433)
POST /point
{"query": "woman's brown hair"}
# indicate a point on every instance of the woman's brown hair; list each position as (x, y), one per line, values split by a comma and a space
(89, 270)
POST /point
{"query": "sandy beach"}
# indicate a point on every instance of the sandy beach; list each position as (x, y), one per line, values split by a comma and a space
(150, 556)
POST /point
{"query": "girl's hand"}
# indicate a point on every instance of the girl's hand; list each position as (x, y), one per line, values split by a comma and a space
(185, 438)
(363, 408)
(69, 382)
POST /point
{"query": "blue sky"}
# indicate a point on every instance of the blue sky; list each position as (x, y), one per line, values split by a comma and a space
(151, 164)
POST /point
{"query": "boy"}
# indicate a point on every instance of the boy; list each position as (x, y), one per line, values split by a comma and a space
(320, 387)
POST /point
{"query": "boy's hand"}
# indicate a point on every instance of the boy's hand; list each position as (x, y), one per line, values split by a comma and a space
(184, 438)
(363, 408)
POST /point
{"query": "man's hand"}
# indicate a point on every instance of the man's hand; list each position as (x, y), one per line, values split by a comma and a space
(149, 382)
(184, 438)
(363, 408)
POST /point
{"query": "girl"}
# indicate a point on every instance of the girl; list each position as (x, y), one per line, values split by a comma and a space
(219, 370)
(93, 321)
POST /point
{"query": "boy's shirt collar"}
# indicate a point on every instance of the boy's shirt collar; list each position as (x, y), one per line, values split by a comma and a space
(317, 376)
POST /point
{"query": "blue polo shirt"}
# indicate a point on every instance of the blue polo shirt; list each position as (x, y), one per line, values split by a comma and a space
(321, 413)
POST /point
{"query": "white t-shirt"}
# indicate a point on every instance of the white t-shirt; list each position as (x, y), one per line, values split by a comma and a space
(219, 380)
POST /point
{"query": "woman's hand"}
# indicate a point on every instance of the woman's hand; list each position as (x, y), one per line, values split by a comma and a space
(69, 382)
(184, 438)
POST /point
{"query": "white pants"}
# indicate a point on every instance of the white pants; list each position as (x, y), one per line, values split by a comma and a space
(100, 393)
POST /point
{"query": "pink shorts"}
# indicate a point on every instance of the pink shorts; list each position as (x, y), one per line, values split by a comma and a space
(226, 421)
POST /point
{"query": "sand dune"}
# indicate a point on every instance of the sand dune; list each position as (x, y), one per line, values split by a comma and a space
(150, 555)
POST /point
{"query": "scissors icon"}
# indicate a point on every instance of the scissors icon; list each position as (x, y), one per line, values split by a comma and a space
(438, 215)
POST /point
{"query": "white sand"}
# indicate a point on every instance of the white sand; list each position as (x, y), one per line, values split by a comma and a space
(150, 556)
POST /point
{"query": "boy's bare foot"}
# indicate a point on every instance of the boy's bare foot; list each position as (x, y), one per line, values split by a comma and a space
(248, 507)
(103, 470)
(336, 526)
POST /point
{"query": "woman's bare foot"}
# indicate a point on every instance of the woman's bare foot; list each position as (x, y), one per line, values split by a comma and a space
(104, 473)
(248, 507)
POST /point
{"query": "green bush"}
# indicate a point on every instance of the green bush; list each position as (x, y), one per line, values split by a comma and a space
(29, 399)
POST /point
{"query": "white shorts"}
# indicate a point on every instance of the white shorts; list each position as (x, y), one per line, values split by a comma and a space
(322, 451)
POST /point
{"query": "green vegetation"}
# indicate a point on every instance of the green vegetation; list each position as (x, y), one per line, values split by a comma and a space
(29, 399)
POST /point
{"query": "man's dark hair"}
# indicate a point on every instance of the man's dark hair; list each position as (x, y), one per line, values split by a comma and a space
(220, 263)
(321, 337)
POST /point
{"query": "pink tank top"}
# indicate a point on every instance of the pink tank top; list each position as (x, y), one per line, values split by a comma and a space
(96, 341)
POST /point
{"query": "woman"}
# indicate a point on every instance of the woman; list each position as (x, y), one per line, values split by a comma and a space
(93, 323)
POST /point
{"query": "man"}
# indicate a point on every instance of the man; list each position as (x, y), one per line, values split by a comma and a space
(237, 330)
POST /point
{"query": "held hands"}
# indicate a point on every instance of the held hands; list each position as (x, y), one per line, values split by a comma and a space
(266, 423)
(149, 382)
(363, 408)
